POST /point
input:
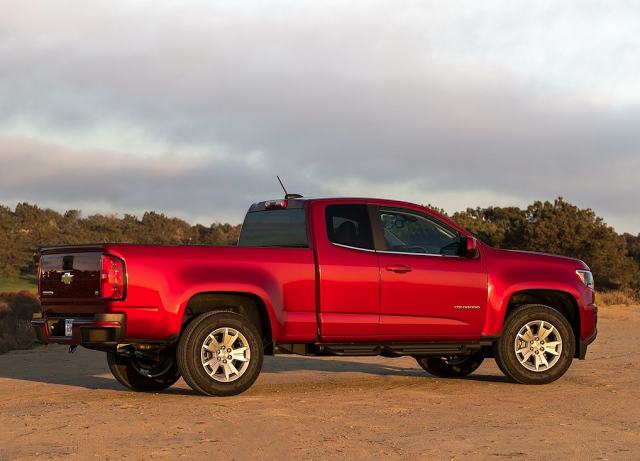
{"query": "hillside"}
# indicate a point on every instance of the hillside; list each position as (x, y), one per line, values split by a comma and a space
(558, 228)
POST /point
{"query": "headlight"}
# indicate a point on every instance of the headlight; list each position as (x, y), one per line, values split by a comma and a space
(586, 277)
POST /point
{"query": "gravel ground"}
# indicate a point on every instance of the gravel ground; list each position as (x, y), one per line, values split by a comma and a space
(61, 406)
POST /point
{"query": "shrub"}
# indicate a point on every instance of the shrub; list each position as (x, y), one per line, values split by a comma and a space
(624, 297)
(16, 310)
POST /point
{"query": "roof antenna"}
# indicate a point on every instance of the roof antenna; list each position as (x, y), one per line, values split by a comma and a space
(286, 194)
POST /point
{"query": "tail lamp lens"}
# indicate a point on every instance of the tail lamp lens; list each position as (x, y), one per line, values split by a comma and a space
(112, 278)
(275, 205)
(40, 278)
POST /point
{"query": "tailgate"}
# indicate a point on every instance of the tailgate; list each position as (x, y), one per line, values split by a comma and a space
(70, 280)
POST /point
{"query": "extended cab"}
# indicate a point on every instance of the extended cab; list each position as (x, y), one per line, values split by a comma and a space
(330, 276)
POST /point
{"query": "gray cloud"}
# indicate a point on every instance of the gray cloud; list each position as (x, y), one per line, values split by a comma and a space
(192, 111)
(193, 188)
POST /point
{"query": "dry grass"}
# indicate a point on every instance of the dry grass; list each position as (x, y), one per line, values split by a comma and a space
(624, 297)
(25, 282)
(16, 310)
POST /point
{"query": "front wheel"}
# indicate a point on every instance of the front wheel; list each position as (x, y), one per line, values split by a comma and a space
(537, 345)
(220, 354)
(451, 367)
(144, 375)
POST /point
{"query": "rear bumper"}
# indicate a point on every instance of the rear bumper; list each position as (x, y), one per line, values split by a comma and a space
(101, 332)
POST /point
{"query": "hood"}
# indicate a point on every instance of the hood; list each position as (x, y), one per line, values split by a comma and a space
(532, 256)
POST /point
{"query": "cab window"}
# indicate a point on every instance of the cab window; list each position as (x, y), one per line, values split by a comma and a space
(407, 231)
(349, 225)
(274, 228)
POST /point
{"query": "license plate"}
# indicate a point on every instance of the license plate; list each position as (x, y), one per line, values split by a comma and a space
(68, 327)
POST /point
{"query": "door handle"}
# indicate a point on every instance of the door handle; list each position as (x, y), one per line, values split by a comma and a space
(399, 269)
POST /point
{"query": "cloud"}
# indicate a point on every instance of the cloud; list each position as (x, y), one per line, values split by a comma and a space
(193, 110)
(204, 189)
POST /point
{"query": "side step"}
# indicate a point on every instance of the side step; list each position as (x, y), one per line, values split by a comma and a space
(386, 350)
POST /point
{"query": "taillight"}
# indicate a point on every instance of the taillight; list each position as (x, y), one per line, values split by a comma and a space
(112, 278)
(40, 278)
(275, 205)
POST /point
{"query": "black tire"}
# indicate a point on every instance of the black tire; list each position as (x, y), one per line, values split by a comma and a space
(544, 350)
(210, 370)
(144, 375)
(451, 367)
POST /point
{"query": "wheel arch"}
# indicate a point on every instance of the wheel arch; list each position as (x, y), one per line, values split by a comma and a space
(561, 301)
(248, 305)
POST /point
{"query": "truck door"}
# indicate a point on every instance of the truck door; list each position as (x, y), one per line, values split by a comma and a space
(348, 271)
(429, 289)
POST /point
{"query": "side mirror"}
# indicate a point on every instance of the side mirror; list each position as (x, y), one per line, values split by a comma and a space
(471, 250)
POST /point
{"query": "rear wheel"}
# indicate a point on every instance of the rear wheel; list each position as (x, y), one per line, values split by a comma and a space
(144, 375)
(220, 354)
(537, 345)
(455, 366)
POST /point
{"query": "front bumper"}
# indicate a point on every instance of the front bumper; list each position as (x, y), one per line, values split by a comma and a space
(588, 323)
(582, 346)
(101, 332)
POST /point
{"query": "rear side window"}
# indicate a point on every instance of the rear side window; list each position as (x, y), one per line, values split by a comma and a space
(349, 225)
(274, 228)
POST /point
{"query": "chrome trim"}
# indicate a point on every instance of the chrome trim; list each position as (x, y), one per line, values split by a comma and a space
(421, 254)
(397, 252)
(352, 248)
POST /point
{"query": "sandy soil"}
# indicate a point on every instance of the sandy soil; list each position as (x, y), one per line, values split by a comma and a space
(61, 406)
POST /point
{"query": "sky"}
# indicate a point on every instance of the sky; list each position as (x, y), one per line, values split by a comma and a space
(191, 108)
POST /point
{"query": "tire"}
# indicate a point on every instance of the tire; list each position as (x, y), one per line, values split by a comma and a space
(451, 367)
(144, 375)
(210, 369)
(537, 345)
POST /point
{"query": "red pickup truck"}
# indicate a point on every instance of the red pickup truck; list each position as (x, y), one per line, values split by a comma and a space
(324, 276)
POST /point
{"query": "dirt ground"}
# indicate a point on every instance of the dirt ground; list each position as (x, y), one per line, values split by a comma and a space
(61, 406)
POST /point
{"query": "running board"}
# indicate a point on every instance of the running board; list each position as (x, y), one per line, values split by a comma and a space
(386, 350)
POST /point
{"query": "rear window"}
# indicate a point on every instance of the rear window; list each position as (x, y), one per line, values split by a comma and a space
(274, 228)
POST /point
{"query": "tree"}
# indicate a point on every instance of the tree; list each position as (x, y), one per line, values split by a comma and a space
(498, 227)
(562, 228)
(557, 228)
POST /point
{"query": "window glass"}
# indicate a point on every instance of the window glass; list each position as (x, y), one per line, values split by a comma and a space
(349, 225)
(274, 228)
(410, 232)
